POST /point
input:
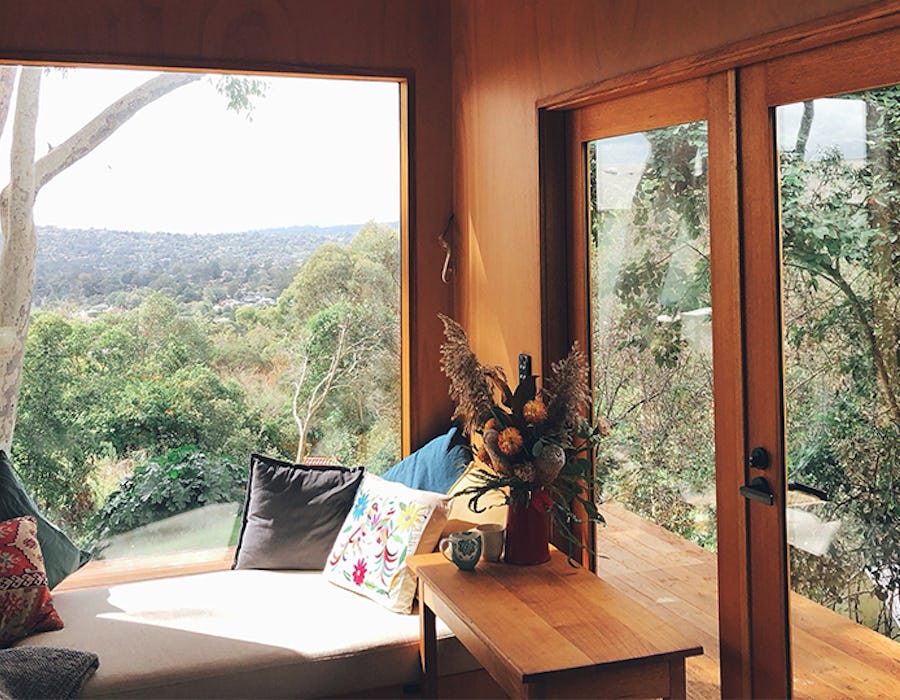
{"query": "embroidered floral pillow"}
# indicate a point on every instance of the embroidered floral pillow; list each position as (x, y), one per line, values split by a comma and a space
(25, 603)
(387, 522)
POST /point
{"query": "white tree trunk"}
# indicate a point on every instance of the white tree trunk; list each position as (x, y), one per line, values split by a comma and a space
(7, 82)
(320, 391)
(19, 250)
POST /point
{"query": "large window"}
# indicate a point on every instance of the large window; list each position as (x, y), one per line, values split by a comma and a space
(218, 272)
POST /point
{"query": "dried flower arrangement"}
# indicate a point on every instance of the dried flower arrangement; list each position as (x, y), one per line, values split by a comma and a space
(536, 444)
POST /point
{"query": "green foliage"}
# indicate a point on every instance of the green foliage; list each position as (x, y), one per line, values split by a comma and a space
(54, 459)
(240, 92)
(127, 381)
(651, 365)
(355, 288)
(183, 479)
(160, 374)
(841, 221)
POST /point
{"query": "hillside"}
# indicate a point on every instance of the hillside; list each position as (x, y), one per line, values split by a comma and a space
(97, 267)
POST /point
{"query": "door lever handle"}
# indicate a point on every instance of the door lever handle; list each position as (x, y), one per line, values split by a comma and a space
(758, 490)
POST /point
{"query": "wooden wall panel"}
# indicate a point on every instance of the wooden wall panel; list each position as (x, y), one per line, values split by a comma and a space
(363, 37)
(509, 55)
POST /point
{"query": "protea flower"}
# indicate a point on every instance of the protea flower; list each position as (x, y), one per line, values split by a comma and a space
(549, 463)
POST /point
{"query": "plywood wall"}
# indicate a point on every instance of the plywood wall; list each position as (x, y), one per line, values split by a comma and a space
(509, 54)
(382, 37)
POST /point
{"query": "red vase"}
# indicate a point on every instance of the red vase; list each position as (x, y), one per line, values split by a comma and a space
(528, 529)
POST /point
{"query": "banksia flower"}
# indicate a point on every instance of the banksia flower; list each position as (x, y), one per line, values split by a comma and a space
(510, 441)
(534, 411)
(492, 445)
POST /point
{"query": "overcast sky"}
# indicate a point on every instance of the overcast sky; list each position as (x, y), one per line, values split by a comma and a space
(316, 152)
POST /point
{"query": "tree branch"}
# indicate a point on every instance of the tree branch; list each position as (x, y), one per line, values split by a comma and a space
(105, 124)
(835, 277)
(809, 111)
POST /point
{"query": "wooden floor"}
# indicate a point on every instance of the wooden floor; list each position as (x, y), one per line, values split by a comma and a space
(833, 657)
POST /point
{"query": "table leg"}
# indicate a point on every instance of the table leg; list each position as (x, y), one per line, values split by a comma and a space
(677, 680)
(427, 646)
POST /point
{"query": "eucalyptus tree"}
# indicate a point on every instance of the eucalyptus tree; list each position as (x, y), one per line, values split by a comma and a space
(29, 173)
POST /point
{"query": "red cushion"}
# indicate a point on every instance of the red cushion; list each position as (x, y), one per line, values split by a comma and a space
(25, 603)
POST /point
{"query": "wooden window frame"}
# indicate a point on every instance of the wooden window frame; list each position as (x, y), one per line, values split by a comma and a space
(218, 559)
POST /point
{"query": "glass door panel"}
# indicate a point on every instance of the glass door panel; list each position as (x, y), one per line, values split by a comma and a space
(651, 338)
(839, 178)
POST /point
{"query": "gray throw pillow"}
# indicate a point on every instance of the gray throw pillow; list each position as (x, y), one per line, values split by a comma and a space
(61, 555)
(292, 513)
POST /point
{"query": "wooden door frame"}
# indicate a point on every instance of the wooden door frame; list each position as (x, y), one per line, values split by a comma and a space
(844, 67)
(761, 272)
(711, 99)
(754, 624)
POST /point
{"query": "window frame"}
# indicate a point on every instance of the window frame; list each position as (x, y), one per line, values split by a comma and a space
(413, 418)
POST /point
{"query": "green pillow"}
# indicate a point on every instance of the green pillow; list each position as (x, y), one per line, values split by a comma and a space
(61, 556)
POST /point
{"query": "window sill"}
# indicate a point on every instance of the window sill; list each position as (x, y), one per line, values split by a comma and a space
(107, 572)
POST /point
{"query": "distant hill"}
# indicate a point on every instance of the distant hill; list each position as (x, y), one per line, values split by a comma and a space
(116, 268)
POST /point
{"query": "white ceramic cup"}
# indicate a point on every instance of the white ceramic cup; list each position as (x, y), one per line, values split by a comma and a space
(492, 540)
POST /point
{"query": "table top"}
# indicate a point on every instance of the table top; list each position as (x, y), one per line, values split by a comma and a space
(551, 617)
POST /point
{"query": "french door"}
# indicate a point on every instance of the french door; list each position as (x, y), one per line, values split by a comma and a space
(744, 228)
(820, 164)
(656, 298)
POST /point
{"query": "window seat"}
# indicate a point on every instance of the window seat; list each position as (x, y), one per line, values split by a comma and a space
(246, 633)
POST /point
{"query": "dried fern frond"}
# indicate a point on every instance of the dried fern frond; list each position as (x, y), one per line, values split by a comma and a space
(496, 377)
(566, 389)
(469, 386)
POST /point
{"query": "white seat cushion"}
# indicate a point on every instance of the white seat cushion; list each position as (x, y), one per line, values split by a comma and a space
(247, 633)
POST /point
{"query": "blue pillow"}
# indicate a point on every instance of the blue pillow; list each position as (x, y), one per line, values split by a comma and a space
(61, 556)
(433, 467)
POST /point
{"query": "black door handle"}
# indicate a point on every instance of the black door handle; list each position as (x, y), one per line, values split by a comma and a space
(758, 490)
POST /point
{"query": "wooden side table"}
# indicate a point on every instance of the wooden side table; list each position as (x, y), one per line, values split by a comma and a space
(551, 630)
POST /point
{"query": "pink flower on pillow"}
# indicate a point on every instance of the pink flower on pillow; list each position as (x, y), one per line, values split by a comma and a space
(359, 572)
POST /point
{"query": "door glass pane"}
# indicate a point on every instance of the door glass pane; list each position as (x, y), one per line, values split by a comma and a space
(651, 341)
(840, 218)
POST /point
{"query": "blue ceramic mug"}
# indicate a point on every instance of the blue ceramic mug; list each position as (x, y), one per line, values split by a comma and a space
(462, 548)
